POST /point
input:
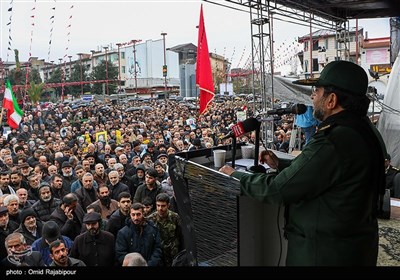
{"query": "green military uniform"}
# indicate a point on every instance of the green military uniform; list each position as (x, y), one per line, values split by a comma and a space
(331, 189)
(391, 172)
(170, 235)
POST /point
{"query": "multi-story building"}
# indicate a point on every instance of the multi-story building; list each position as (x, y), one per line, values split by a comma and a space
(375, 59)
(324, 46)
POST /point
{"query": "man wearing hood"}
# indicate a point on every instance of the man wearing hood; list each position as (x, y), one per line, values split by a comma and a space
(30, 227)
(46, 203)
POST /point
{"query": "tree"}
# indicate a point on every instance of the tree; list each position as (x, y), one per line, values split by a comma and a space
(99, 73)
(76, 77)
(35, 92)
(56, 77)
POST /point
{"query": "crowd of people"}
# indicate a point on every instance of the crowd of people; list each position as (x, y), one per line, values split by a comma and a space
(88, 185)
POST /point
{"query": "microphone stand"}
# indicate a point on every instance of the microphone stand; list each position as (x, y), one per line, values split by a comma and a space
(233, 151)
(256, 168)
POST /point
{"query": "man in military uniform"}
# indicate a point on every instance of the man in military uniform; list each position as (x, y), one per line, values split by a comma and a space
(392, 173)
(169, 224)
(331, 189)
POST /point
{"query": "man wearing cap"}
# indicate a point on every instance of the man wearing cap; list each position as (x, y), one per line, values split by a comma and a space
(68, 175)
(95, 247)
(6, 227)
(30, 227)
(332, 218)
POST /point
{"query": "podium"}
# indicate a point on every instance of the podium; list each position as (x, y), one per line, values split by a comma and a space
(220, 227)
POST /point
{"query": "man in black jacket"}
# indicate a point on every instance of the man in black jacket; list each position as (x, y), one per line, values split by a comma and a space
(95, 247)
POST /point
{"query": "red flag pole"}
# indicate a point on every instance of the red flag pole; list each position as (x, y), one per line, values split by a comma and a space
(204, 79)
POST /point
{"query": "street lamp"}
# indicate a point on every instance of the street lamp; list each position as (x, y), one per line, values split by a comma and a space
(119, 68)
(62, 79)
(80, 63)
(70, 66)
(106, 48)
(164, 70)
(92, 51)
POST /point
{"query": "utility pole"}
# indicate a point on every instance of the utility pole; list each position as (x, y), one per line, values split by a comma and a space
(134, 62)
(165, 67)
(70, 66)
(62, 79)
(80, 64)
(119, 68)
(106, 48)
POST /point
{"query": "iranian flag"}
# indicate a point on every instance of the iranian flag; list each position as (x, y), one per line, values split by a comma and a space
(14, 113)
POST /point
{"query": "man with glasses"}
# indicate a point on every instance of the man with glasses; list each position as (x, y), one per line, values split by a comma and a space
(332, 217)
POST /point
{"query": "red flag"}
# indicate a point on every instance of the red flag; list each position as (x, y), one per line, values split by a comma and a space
(204, 78)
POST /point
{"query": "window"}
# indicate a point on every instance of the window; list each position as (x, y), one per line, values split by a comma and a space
(315, 64)
(326, 43)
(123, 69)
(122, 55)
(315, 45)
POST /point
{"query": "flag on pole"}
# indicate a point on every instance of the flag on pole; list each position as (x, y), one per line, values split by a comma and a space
(204, 78)
(14, 113)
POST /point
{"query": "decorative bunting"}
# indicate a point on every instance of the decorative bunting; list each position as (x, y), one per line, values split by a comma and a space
(33, 25)
(10, 9)
(51, 29)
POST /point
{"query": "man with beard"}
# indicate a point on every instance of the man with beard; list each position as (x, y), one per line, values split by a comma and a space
(118, 218)
(331, 219)
(59, 255)
(16, 181)
(100, 176)
(56, 182)
(34, 184)
(115, 186)
(105, 202)
(4, 183)
(68, 175)
(25, 171)
(30, 227)
(139, 236)
(46, 203)
(123, 178)
(95, 247)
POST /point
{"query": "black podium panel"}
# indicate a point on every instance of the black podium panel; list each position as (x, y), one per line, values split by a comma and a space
(220, 227)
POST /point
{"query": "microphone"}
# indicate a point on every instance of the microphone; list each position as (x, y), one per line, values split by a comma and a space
(297, 109)
(241, 128)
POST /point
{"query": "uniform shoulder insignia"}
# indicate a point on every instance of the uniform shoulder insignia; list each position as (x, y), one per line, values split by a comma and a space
(395, 168)
(325, 127)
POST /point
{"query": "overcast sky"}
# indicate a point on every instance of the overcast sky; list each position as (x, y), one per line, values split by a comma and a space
(96, 23)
